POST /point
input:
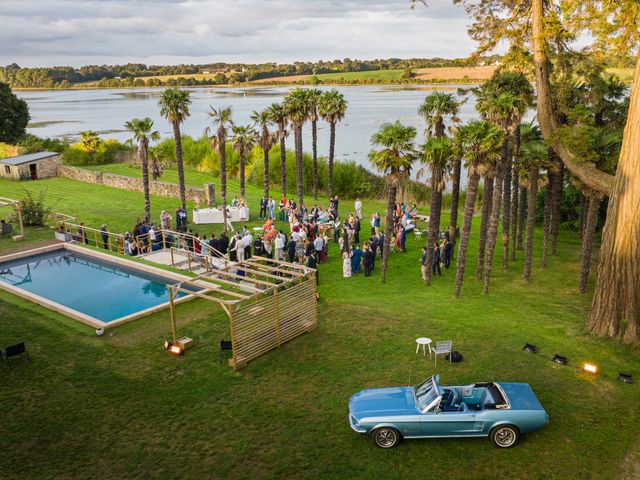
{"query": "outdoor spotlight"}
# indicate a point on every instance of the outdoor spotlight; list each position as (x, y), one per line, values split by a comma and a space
(590, 368)
(176, 350)
(530, 348)
(625, 377)
(560, 360)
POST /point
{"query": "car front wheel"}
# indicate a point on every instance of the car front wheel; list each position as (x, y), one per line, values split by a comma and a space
(505, 436)
(386, 437)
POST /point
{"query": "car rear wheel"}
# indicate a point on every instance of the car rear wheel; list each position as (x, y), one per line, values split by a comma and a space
(386, 437)
(505, 436)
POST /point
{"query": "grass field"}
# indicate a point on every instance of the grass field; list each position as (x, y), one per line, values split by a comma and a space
(384, 76)
(119, 407)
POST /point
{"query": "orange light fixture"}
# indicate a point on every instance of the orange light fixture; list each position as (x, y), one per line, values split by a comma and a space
(590, 368)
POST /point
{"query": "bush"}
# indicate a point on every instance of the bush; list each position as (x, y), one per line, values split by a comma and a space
(107, 151)
(32, 143)
(34, 210)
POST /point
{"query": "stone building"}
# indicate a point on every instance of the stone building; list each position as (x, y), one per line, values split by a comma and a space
(31, 166)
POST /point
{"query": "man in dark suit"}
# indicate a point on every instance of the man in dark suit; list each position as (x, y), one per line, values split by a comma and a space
(367, 260)
(214, 243)
(223, 243)
(263, 207)
(291, 250)
(447, 251)
(373, 242)
(356, 231)
(436, 259)
(312, 262)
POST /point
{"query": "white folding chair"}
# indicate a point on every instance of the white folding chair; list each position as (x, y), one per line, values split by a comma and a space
(442, 348)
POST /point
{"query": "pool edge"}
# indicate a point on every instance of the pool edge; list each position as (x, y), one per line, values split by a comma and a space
(75, 314)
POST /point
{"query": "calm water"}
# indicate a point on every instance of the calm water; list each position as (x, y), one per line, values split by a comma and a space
(103, 290)
(65, 113)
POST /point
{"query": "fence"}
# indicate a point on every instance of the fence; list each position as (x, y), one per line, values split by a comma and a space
(260, 326)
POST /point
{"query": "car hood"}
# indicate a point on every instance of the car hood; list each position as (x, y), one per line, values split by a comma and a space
(383, 401)
(521, 397)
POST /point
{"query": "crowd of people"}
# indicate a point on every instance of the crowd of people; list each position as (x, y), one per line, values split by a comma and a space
(306, 241)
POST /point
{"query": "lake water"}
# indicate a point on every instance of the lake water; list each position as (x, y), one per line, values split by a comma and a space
(66, 113)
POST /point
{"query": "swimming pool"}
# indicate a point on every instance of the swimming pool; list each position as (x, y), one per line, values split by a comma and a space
(89, 286)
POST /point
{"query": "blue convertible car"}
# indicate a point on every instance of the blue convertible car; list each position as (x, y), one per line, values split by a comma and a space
(501, 411)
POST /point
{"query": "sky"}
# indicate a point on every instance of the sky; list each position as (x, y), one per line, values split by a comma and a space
(165, 32)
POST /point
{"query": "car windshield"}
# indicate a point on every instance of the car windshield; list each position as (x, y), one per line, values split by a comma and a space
(426, 393)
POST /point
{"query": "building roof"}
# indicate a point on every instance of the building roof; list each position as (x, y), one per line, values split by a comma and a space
(31, 157)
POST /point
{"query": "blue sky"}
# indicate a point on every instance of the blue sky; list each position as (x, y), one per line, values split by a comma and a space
(79, 32)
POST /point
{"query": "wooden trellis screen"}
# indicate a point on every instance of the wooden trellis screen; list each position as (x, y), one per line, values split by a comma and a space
(269, 302)
(270, 321)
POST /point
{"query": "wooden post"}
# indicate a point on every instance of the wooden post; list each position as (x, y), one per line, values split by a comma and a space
(171, 251)
(234, 358)
(95, 237)
(188, 259)
(164, 240)
(173, 315)
(19, 209)
(277, 303)
(206, 263)
(109, 242)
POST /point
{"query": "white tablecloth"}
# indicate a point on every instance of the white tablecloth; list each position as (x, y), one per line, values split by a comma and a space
(214, 215)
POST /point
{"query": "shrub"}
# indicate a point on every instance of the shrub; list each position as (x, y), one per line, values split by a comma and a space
(107, 151)
(34, 210)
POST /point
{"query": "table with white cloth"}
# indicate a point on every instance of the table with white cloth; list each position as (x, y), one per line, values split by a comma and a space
(215, 215)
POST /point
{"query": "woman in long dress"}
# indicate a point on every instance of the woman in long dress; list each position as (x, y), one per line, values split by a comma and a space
(244, 212)
(346, 264)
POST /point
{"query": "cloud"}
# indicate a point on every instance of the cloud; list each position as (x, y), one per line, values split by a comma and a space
(77, 32)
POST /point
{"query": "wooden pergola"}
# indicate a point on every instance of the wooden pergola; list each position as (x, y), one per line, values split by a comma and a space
(268, 302)
(7, 202)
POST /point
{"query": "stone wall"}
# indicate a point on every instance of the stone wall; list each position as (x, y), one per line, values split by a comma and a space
(161, 189)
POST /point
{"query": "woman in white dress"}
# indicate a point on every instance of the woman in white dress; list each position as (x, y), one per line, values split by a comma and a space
(346, 264)
(244, 212)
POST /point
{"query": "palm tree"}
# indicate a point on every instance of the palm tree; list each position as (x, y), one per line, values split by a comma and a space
(332, 108)
(435, 109)
(479, 143)
(266, 140)
(313, 96)
(534, 156)
(221, 119)
(394, 159)
(437, 155)
(278, 115)
(296, 104)
(142, 133)
(174, 106)
(504, 100)
(487, 200)
(505, 110)
(244, 138)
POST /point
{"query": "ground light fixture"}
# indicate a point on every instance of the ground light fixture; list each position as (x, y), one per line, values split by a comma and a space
(590, 368)
(560, 359)
(530, 348)
(175, 350)
(625, 377)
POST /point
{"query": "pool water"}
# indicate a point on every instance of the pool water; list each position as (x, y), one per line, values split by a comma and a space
(98, 288)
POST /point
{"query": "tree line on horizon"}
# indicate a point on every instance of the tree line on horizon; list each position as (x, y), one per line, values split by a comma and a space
(220, 73)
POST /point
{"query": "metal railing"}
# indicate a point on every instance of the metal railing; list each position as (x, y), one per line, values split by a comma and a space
(183, 244)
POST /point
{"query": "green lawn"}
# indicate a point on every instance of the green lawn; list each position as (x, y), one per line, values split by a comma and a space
(379, 75)
(119, 407)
